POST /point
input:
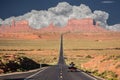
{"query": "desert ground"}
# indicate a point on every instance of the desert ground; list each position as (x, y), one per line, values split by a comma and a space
(96, 53)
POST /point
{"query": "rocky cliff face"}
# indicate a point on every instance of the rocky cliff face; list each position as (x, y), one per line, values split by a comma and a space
(16, 26)
(17, 30)
(76, 25)
(83, 25)
(22, 30)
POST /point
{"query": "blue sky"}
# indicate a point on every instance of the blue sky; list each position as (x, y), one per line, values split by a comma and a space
(10, 8)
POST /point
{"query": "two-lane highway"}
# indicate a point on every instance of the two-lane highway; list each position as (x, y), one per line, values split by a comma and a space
(57, 72)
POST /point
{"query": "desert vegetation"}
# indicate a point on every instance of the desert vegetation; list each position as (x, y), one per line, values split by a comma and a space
(94, 54)
(15, 63)
(98, 63)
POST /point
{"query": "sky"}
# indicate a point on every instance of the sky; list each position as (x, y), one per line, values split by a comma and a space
(10, 8)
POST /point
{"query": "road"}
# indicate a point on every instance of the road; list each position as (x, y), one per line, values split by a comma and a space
(57, 72)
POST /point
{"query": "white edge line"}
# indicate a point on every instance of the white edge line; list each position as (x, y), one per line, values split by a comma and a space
(35, 73)
(89, 75)
(17, 73)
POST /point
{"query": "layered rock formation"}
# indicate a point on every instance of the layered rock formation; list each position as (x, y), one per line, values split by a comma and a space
(79, 25)
(16, 26)
(17, 30)
(83, 25)
(76, 25)
(22, 30)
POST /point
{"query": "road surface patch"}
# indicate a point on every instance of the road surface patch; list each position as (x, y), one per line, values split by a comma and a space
(36, 73)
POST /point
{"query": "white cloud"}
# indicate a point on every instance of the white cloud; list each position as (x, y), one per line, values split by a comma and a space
(101, 17)
(1, 21)
(81, 11)
(63, 8)
(107, 2)
(59, 16)
(115, 27)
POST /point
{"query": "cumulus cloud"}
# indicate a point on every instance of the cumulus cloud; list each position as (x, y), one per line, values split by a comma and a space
(115, 27)
(60, 15)
(101, 17)
(81, 11)
(1, 21)
(107, 2)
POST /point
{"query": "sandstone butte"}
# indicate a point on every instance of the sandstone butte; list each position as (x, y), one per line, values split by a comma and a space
(73, 25)
(17, 30)
(16, 26)
(22, 30)
(76, 25)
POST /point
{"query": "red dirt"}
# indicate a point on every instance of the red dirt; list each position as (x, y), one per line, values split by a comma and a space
(102, 63)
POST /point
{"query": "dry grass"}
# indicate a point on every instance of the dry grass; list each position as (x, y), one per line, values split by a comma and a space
(41, 51)
(43, 57)
(91, 44)
(82, 50)
(29, 44)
